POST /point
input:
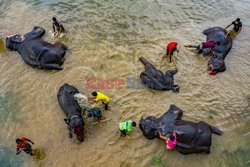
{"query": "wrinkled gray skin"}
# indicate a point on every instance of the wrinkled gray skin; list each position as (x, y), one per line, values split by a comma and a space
(72, 111)
(191, 137)
(216, 63)
(155, 79)
(36, 52)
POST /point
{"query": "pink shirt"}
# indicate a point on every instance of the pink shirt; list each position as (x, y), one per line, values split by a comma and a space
(208, 44)
(171, 144)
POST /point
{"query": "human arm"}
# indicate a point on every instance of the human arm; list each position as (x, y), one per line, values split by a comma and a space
(177, 50)
(228, 25)
(30, 141)
(18, 150)
(169, 148)
(92, 99)
(162, 137)
(62, 28)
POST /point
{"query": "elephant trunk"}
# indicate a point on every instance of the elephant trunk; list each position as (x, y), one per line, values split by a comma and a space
(143, 60)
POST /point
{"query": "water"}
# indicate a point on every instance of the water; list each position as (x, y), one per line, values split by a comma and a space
(106, 38)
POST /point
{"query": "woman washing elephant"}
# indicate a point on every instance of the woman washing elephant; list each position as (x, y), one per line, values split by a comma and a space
(170, 142)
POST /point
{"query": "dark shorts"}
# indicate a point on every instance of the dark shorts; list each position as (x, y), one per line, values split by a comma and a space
(28, 150)
(123, 132)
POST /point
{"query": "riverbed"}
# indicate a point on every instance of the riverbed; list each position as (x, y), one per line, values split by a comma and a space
(105, 39)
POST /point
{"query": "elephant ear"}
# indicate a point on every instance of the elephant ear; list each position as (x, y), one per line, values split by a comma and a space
(149, 127)
(208, 31)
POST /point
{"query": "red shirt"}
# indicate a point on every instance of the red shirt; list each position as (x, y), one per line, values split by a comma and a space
(171, 47)
(24, 143)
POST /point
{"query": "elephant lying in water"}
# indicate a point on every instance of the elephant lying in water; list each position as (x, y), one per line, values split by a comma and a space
(72, 110)
(216, 63)
(191, 137)
(36, 52)
(155, 79)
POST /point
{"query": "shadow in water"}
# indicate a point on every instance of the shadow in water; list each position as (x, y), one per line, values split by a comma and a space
(2, 47)
(8, 158)
(38, 154)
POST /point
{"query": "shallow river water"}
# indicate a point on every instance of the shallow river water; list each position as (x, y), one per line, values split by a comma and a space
(106, 38)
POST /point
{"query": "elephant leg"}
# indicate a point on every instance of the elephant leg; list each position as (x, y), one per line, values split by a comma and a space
(52, 66)
(61, 61)
(205, 149)
(147, 80)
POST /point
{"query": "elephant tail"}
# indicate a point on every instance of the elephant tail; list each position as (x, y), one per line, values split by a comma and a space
(215, 130)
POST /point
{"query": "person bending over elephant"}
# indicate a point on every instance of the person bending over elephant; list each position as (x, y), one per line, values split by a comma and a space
(190, 137)
(92, 111)
(35, 51)
(170, 142)
(220, 43)
(237, 27)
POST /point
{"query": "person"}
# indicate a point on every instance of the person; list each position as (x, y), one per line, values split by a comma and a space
(236, 29)
(210, 44)
(57, 26)
(82, 100)
(171, 48)
(170, 142)
(126, 126)
(23, 145)
(98, 96)
(95, 112)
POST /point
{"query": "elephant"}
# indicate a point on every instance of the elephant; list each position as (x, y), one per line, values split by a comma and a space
(216, 63)
(72, 110)
(35, 51)
(155, 79)
(191, 137)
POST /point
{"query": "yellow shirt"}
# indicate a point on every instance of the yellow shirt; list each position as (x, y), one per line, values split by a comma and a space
(102, 97)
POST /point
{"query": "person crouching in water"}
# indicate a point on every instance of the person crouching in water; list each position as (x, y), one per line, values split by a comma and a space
(171, 48)
(82, 100)
(208, 44)
(58, 28)
(170, 142)
(98, 96)
(126, 126)
(94, 112)
(23, 145)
